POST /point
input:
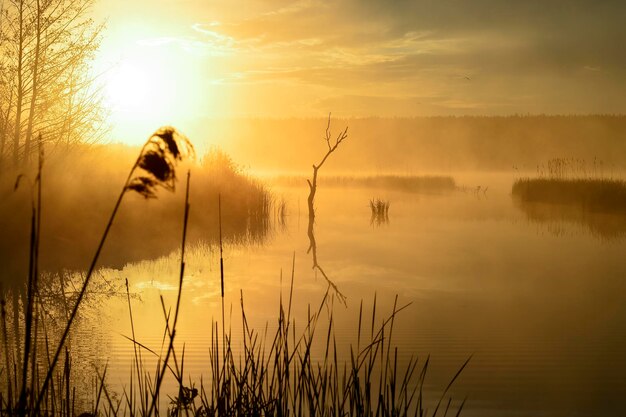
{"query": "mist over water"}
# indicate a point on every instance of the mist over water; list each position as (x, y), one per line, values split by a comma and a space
(421, 145)
(532, 291)
(312, 208)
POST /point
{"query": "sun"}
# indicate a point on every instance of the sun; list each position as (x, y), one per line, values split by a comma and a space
(144, 86)
(131, 89)
(147, 80)
(143, 92)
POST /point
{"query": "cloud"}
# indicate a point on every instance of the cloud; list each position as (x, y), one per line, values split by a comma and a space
(484, 55)
(384, 106)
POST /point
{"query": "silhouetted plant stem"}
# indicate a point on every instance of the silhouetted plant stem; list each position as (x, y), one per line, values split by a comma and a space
(5, 342)
(28, 315)
(170, 347)
(136, 351)
(33, 275)
(219, 214)
(80, 296)
(450, 385)
(156, 158)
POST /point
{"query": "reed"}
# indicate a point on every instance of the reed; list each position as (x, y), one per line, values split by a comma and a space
(574, 182)
(593, 195)
(573, 191)
(280, 373)
(379, 207)
(154, 167)
(284, 372)
(575, 168)
(276, 374)
(380, 211)
(78, 190)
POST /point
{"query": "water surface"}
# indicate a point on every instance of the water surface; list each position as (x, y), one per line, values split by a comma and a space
(538, 302)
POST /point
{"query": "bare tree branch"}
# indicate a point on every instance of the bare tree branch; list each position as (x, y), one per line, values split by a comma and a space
(331, 147)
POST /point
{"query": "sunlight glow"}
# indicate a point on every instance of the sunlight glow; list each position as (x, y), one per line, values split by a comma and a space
(130, 89)
(142, 91)
(147, 84)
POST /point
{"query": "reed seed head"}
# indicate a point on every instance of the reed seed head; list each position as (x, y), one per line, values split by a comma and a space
(157, 161)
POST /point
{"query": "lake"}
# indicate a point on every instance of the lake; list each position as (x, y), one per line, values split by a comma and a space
(536, 301)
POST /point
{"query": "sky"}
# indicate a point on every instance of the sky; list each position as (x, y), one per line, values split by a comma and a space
(194, 59)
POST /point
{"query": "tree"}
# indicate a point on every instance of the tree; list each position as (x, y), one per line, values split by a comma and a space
(45, 85)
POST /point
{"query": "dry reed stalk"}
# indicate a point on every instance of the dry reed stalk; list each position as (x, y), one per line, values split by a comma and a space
(172, 331)
(155, 166)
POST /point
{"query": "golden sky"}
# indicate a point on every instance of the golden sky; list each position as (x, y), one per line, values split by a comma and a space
(190, 59)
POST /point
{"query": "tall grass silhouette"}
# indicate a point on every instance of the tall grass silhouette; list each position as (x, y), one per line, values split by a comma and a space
(280, 373)
(274, 375)
(154, 167)
(79, 192)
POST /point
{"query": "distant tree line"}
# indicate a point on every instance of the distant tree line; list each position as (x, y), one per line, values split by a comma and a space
(45, 86)
(434, 144)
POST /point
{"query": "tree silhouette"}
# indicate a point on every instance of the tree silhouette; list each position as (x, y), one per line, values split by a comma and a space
(45, 87)
(331, 147)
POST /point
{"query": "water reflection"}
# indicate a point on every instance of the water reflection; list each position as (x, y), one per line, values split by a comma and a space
(544, 316)
(142, 230)
(557, 219)
(316, 266)
(380, 212)
(88, 346)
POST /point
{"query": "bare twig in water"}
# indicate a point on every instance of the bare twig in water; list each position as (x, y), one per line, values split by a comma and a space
(332, 146)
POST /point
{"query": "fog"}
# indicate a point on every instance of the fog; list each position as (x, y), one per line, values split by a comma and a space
(420, 145)
(426, 209)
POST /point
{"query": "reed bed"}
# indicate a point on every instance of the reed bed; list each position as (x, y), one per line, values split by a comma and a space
(574, 191)
(593, 194)
(274, 375)
(574, 182)
(80, 190)
(575, 168)
(299, 368)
